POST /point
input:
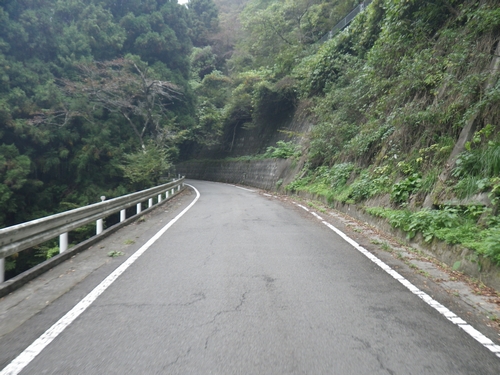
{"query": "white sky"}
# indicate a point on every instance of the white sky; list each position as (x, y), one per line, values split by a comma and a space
(182, 1)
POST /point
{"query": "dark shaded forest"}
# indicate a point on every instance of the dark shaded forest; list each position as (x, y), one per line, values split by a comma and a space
(94, 98)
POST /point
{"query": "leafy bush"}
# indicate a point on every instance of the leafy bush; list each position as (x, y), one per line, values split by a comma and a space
(492, 245)
(402, 190)
(426, 221)
(283, 150)
(145, 167)
(451, 224)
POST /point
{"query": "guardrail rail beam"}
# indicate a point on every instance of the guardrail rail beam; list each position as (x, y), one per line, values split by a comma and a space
(20, 237)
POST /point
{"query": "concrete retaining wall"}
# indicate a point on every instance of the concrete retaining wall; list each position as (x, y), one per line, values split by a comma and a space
(263, 174)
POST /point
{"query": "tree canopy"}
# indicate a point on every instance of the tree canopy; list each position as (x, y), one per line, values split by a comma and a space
(85, 86)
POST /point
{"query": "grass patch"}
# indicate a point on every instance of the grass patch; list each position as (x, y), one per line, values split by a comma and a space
(471, 227)
(114, 254)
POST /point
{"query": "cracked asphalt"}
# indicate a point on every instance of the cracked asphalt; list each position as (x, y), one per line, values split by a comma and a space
(241, 284)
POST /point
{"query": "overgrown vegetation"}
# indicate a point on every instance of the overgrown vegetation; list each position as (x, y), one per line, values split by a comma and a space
(94, 100)
(405, 106)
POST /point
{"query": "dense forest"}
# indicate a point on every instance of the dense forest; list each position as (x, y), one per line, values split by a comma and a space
(94, 99)
(102, 97)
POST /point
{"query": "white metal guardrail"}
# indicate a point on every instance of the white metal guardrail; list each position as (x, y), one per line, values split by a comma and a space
(23, 236)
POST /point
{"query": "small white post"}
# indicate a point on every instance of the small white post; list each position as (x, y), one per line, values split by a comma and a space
(139, 208)
(123, 215)
(2, 270)
(179, 187)
(63, 242)
(159, 198)
(99, 226)
(173, 191)
(166, 194)
(150, 202)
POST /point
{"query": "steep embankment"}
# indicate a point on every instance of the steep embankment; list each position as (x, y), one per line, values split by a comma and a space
(404, 107)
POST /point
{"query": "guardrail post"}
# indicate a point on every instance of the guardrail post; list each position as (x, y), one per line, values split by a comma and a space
(166, 194)
(63, 242)
(123, 215)
(2, 270)
(139, 208)
(99, 225)
(159, 198)
(150, 202)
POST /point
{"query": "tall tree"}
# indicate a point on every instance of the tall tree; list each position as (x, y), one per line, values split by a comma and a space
(126, 87)
(205, 21)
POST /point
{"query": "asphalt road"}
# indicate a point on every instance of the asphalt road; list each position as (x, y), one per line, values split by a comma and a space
(244, 284)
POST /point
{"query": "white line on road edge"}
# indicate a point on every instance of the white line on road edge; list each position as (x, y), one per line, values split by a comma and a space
(448, 314)
(242, 188)
(317, 216)
(303, 207)
(23, 359)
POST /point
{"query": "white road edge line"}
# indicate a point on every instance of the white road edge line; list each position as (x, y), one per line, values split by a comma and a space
(448, 314)
(303, 207)
(242, 188)
(23, 359)
(317, 216)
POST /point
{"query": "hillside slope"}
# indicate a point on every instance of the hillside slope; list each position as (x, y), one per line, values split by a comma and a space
(398, 114)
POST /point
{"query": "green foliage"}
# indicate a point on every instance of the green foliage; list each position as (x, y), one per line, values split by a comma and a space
(477, 169)
(59, 148)
(453, 225)
(492, 245)
(324, 179)
(14, 172)
(367, 185)
(145, 167)
(401, 191)
(204, 20)
(284, 150)
(114, 254)
(429, 181)
(334, 183)
(53, 251)
(273, 103)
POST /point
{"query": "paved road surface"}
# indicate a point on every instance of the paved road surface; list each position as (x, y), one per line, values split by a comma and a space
(243, 284)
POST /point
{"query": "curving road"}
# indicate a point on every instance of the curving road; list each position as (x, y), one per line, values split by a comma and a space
(244, 284)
